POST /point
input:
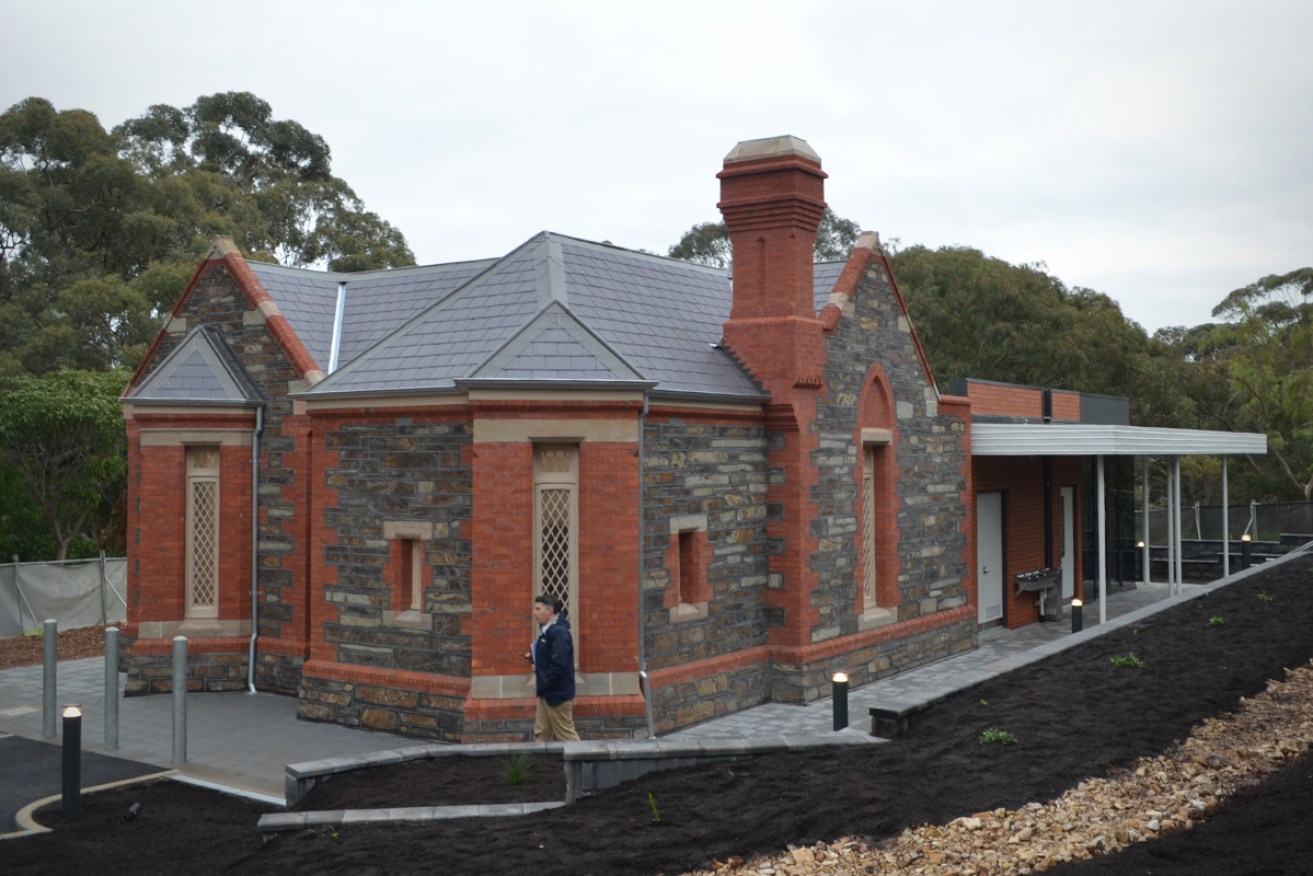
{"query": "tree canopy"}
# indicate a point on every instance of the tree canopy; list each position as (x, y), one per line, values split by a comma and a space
(99, 230)
(707, 243)
(62, 444)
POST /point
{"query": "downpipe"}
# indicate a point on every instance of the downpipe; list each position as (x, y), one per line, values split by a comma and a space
(255, 547)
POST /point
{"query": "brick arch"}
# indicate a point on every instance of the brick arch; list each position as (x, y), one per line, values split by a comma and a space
(876, 411)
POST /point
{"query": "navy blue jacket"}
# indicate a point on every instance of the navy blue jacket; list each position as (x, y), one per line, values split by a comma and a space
(553, 663)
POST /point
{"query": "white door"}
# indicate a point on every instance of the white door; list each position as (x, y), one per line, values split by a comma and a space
(1068, 542)
(989, 556)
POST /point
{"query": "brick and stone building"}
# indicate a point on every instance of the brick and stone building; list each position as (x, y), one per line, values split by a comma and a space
(348, 487)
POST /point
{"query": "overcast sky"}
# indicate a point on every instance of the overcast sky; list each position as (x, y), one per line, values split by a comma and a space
(1159, 152)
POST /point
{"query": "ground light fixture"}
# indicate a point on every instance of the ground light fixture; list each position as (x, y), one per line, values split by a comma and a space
(72, 760)
(1077, 615)
(1244, 550)
(840, 681)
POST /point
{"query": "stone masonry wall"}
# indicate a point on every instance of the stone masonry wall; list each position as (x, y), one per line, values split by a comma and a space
(931, 496)
(696, 465)
(399, 468)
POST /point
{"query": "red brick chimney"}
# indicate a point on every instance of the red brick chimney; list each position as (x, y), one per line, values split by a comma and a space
(772, 195)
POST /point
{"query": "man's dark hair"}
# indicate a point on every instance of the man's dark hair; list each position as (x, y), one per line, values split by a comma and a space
(550, 601)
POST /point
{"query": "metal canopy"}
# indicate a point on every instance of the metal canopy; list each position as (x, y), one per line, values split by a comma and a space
(1041, 439)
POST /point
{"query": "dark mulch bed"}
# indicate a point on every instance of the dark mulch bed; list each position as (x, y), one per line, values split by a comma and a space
(1075, 715)
(443, 781)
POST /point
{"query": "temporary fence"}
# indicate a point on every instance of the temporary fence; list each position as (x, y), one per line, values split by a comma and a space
(76, 593)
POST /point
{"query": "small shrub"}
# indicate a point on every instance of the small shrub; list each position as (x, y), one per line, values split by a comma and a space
(516, 769)
(995, 736)
(1216, 621)
(1127, 661)
(651, 804)
(1264, 596)
(984, 702)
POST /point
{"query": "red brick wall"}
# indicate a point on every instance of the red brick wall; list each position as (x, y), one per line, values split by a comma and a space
(989, 399)
(500, 625)
(1021, 480)
(157, 502)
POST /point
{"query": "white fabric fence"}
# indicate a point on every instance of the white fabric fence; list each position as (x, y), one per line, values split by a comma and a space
(77, 593)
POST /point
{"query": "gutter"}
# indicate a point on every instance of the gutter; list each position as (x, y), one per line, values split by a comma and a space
(255, 546)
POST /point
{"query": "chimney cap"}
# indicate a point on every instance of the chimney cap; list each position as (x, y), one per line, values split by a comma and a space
(772, 147)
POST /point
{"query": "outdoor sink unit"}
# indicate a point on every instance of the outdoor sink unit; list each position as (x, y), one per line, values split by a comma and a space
(1047, 584)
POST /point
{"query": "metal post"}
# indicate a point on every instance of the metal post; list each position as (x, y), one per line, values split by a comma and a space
(179, 699)
(49, 658)
(840, 701)
(1146, 572)
(111, 689)
(1226, 526)
(1101, 538)
(72, 781)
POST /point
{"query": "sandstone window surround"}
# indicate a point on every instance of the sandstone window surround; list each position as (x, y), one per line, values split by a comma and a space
(407, 574)
(202, 533)
(556, 527)
(878, 603)
(687, 558)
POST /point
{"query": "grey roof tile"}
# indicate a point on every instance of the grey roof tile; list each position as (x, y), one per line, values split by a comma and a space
(618, 315)
(200, 370)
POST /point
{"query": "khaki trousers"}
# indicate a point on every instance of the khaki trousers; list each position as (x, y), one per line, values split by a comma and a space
(555, 722)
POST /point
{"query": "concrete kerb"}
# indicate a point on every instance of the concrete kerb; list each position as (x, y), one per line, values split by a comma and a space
(28, 825)
(591, 766)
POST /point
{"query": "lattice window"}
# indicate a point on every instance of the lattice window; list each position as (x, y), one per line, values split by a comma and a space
(556, 524)
(868, 528)
(202, 532)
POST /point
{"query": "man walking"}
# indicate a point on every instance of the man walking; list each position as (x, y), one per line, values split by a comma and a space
(553, 664)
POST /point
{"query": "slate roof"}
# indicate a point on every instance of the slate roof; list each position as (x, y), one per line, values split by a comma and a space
(556, 310)
(374, 302)
(200, 370)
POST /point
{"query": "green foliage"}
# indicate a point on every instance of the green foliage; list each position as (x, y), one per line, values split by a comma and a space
(981, 317)
(1216, 621)
(1127, 661)
(995, 736)
(1264, 352)
(1265, 597)
(651, 804)
(99, 230)
(707, 243)
(516, 769)
(62, 445)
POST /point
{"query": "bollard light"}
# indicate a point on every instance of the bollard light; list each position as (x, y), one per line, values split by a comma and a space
(1244, 551)
(72, 760)
(840, 681)
(1077, 615)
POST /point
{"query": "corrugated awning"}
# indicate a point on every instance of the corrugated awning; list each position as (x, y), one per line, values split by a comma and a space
(1040, 439)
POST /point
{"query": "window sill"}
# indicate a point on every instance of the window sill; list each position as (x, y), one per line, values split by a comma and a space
(688, 611)
(876, 618)
(408, 620)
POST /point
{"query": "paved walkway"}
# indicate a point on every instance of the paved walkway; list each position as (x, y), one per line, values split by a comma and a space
(242, 742)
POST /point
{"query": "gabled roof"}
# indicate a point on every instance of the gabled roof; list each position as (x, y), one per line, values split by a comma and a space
(200, 370)
(557, 310)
